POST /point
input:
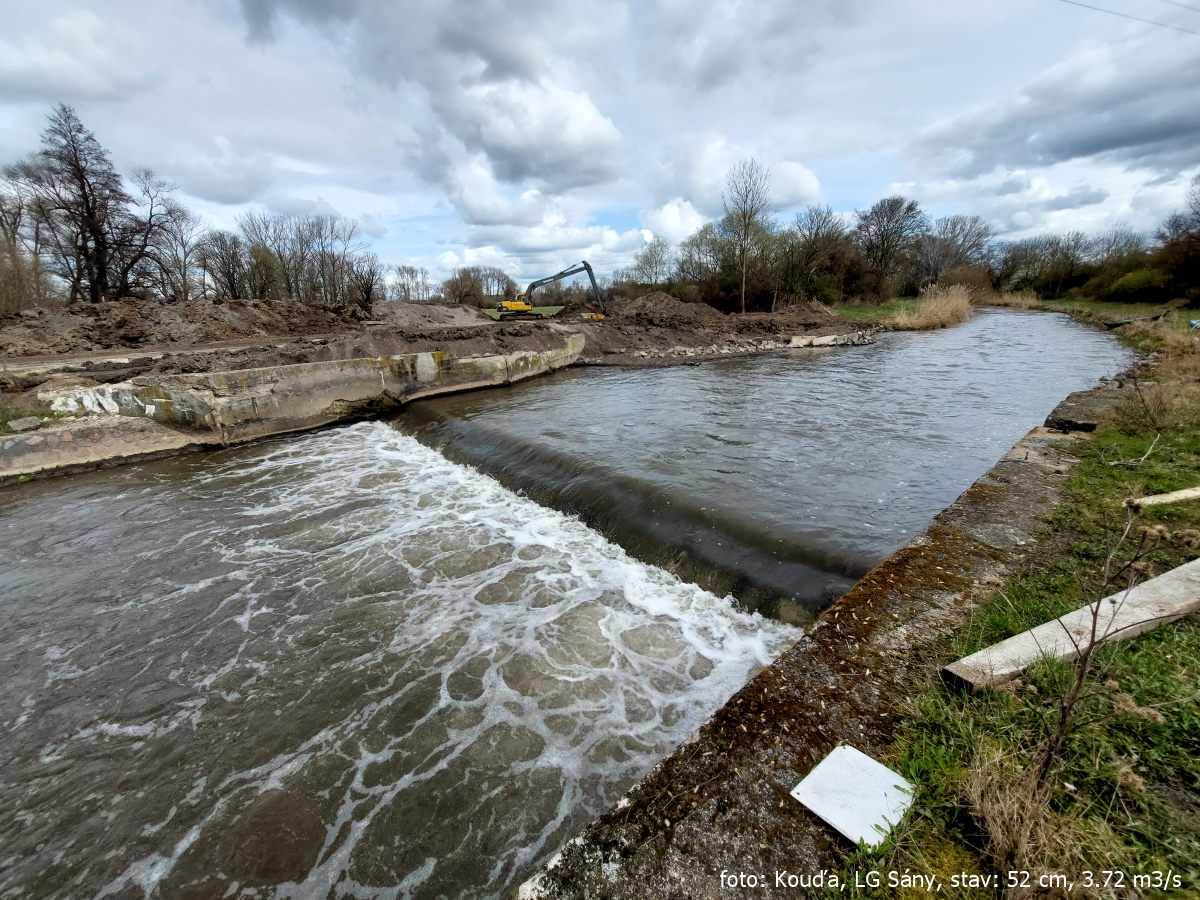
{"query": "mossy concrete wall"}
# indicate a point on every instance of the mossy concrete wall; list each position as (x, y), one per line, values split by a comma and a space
(222, 408)
(252, 403)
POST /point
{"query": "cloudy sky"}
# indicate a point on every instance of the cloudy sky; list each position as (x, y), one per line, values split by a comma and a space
(533, 134)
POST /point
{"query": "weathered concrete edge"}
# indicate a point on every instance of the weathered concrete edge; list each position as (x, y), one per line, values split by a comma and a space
(720, 801)
(729, 348)
(191, 412)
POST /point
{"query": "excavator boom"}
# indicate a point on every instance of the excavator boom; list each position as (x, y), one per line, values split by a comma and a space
(566, 273)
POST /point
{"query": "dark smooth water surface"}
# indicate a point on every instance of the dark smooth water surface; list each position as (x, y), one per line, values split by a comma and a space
(777, 477)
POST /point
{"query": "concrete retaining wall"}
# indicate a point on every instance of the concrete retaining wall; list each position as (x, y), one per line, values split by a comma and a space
(253, 403)
(222, 408)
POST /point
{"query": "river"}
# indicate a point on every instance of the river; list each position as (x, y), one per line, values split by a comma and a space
(780, 478)
(342, 664)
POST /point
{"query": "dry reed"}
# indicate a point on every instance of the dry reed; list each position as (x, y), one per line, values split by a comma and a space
(938, 307)
(1012, 300)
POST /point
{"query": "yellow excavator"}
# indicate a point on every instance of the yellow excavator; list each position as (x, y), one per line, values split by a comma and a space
(522, 307)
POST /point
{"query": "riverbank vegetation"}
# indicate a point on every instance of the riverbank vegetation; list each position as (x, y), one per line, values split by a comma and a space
(1079, 768)
(74, 229)
(939, 306)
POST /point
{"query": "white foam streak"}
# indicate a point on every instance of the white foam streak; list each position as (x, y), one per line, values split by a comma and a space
(420, 658)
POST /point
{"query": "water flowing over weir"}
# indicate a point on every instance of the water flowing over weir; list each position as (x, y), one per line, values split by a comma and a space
(781, 479)
(337, 662)
(343, 664)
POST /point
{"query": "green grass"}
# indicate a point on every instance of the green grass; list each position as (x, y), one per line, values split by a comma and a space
(8, 413)
(877, 314)
(1104, 311)
(1124, 792)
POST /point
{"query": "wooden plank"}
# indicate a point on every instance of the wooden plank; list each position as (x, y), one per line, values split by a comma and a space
(1166, 598)
(1173, 497)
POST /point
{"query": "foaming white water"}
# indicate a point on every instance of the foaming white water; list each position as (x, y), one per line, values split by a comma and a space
(349, 664)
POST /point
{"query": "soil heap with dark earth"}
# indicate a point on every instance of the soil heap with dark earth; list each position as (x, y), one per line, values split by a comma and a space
(102, 341)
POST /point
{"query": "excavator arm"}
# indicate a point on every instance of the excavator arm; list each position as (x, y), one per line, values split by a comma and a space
(566, 273)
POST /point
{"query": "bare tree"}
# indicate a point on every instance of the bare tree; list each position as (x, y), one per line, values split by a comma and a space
(264, 273)
(1066, 254)
(176, 254)
(954, 241)
(808, 248)
(820, 229)
(702, 255)
(336, 245)
(224, 258)
(465, 285)
(93, 233)
(1192, 216)
(1117, 245)
(496, 284)
(366, 280)
(412, 284)
(964, 239)
(134, 232)
(888, 230)
(293, 241)
(74, 191)
(652, 264)
(24, 282)
(747, 202)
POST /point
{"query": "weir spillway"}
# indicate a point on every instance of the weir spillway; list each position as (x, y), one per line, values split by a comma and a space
(344, 662)
(783, 478)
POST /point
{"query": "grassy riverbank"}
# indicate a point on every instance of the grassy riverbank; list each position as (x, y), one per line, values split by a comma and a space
(1121, 792)
(937, 307)
(878, 314)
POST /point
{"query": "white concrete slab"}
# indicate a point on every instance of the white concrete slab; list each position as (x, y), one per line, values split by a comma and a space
(1166, 598)
(861, 798)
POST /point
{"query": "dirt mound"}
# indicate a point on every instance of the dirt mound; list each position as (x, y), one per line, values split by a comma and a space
(133, 323)
(427, 315)
(802, 316)
(666, 311)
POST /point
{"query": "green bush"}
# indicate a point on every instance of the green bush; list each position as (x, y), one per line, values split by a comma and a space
(1140, 286)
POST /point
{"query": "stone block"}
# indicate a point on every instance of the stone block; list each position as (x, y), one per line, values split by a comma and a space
(28, 423)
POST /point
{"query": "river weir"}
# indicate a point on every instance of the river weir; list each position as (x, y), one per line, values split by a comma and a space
(336, 662)
(782, 478)
(346, 665)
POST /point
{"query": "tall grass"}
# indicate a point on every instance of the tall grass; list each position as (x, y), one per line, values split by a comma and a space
(1012, 300)
(1178, 349)
(938, 307)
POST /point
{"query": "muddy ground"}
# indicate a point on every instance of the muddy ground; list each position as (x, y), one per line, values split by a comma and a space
(111, 342)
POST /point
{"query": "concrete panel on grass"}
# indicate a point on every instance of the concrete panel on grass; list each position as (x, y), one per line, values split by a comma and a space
(1170, 596)
(860, 797)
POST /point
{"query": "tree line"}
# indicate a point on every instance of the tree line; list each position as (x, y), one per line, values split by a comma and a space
(73, 230)
(747, 259)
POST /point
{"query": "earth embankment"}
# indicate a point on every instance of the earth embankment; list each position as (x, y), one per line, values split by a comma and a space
(110, 342)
